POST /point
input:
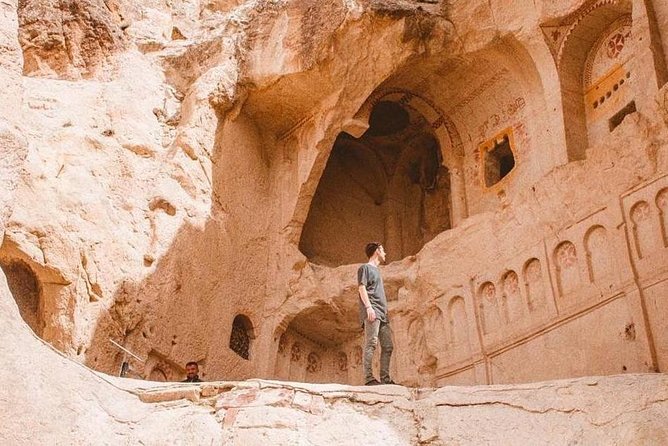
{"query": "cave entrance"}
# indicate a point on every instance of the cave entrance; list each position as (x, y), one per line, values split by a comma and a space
(322, 344)
(389, 185)
(26, 289)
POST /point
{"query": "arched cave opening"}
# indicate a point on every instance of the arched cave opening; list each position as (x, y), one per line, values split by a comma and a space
(322, 344)
(499, 160)
(596, 75)
(241, 336)
(26, 289)
(389, 185)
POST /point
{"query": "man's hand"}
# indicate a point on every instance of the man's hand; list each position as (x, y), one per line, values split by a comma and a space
(370, 314)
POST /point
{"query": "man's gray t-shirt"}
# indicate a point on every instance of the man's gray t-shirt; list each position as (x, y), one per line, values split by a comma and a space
(369, 276)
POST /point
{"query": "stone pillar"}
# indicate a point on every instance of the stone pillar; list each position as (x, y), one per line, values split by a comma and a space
(649, 62)
(393, 240)
(659, 8)
(458, 196)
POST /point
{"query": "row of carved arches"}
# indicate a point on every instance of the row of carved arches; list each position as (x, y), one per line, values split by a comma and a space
(439, 337)
(596, 266)
(510, 301)
(300, 358)
(504, 303)
(650, 224)
(584, 270)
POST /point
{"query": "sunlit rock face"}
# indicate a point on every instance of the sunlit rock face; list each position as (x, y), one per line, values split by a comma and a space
(197, 181)
(80, 406)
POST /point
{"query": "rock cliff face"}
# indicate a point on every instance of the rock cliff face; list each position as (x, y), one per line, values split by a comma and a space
(196, 180)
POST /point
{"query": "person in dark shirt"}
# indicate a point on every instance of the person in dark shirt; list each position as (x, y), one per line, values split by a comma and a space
(373, 315)
(192, 373)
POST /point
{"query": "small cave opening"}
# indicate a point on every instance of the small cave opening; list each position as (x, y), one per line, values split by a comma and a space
(241, 336)
(499, 161)
(389, 185)
(26, 289)
(618, 118)
(322, 344)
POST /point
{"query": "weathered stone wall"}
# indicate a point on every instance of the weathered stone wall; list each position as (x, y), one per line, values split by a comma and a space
(58, 401)
(157, 184)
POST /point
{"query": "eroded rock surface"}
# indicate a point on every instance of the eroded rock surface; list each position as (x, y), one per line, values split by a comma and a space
(68, 39)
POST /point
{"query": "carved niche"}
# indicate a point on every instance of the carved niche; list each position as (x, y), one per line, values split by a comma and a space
(533, 281)
(568, 271)
(491, 320)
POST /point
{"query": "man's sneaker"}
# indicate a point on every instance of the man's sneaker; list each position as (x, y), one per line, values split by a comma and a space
(373, 382)
(388, 381)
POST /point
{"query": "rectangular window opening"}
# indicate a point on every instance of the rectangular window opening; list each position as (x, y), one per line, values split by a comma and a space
(499, 161)
(617, 119)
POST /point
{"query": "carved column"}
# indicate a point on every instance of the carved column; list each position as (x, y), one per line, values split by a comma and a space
(659, 8)
(650, 60)
(458, 196)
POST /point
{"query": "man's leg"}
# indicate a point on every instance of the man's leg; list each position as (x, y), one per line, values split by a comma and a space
(370, 342)
(386, 347)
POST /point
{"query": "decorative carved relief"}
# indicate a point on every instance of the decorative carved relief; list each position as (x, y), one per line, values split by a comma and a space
(296, 352)
(646, 207)
(342, 361)
(600, 262)
(557, 33)
(609, 52)
(491, 320)
(504, 115)
(533, 281)
(568, 272)
(513, 304)
(313, 363)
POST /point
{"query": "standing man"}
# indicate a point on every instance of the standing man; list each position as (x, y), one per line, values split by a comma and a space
(373, 313)
(192, 373)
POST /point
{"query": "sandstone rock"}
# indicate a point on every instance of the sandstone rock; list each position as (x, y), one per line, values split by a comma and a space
(70, 39)
(195, 180)
(77, 405)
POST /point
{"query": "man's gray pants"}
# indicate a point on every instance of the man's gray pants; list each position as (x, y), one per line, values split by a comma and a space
(373, 332)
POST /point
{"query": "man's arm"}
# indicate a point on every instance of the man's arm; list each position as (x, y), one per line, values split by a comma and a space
(364, 296)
